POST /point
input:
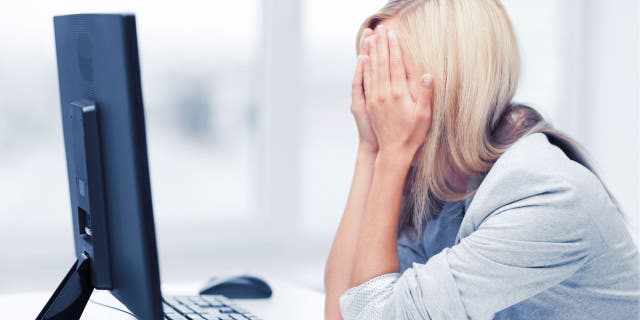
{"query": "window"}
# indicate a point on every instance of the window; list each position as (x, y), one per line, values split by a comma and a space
(197, 65)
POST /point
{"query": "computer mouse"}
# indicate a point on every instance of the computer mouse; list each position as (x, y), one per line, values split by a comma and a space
(237, 287)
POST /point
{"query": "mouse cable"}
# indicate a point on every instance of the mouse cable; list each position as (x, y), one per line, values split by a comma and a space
(114, 308)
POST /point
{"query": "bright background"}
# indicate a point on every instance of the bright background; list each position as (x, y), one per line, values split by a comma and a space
(251, 144)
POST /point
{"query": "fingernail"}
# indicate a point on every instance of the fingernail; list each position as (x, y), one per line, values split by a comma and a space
(380, 28)
(427, 80)
(392, 36)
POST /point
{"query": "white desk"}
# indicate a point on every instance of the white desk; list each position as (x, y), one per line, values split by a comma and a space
(289, 301)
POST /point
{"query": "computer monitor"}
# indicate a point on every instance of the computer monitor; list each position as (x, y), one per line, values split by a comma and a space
(106, 151)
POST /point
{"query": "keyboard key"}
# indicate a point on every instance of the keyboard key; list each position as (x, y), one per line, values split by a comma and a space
(184, 300)
(203, 308)
(175, 316)
(199, 310)
(227, 310)
(184, 309)
(168, 309)
(200, 302)
(214, 301)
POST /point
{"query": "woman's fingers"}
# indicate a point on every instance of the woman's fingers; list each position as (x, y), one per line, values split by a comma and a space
(425, 96)
(366, 76)
(357, 89)
(372, 86)
(365, 34)
(382, 48)
(399, 84)
(364, 57)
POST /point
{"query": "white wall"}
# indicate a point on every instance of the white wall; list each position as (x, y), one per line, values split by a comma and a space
(580, 61)
(580, 69)
(607, 107)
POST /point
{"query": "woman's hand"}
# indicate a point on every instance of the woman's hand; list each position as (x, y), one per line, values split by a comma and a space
(340, 262)
(368, 140)
(399, 123)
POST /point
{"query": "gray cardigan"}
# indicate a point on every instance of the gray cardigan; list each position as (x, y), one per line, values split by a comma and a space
(541, 239)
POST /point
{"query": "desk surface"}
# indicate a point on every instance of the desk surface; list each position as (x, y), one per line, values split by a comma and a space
(289, 301)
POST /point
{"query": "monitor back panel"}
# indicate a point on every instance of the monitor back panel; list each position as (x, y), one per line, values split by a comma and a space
(97, 57)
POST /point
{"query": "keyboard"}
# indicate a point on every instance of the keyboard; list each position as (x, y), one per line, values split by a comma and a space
(203, 307)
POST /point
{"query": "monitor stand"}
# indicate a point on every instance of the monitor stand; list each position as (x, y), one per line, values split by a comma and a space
(71, 296)
(92, 269)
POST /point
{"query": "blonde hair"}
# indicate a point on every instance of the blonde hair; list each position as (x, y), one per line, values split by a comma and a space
(470, 48)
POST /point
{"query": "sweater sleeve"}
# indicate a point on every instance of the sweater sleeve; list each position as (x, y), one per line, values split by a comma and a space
(519, 250)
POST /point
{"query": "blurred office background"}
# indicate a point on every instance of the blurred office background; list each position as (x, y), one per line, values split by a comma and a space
(251, 143)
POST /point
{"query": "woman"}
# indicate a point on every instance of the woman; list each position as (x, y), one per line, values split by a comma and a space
(463, 204)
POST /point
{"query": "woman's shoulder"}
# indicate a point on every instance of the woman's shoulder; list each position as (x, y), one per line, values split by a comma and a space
(533, 164)
(533, 172)
(535, 155)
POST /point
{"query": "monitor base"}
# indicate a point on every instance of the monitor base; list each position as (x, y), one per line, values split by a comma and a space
(71, 296)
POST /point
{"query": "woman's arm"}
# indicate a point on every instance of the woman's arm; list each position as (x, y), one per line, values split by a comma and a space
(529, 239)
(404, 131)
(340, 261)
(529, 228)
(376, 251)
(401, 126)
